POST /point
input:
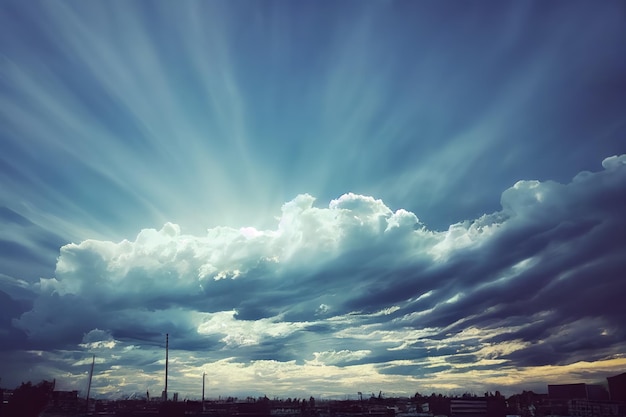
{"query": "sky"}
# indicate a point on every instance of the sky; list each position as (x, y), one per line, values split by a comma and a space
(312, 198)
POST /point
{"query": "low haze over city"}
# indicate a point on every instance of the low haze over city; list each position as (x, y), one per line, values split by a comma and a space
(312, 198)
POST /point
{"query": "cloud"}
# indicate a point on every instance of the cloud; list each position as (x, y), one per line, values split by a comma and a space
(97, 339)
(245, 332)
(338, 357)
(358, 284)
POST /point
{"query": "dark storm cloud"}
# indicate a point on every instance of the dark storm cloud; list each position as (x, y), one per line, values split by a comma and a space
(11, 337)
(357, 284)
(413, 370)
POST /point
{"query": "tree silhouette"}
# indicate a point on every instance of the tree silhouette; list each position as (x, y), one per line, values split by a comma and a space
(29, 400)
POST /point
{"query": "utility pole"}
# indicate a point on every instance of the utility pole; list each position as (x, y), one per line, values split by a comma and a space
(93, 362)
(203, 375)
(167, 352)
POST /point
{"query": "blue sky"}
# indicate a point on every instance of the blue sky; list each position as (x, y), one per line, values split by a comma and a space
(317, 197)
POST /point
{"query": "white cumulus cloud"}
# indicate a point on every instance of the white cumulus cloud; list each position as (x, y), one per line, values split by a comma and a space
(357, 282)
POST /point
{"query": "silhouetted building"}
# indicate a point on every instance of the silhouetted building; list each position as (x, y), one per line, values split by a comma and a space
(488, 406)
(528, 404)
(592, 408)
(468, 407)
(597, 393)
(576, 391)
(439, 405)
(617, 387)
(65, 401)
(581, 400)
(567, 391)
